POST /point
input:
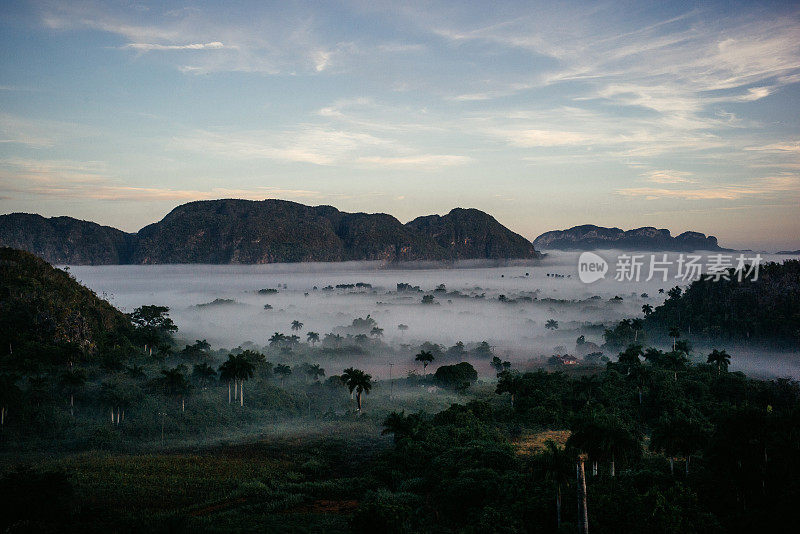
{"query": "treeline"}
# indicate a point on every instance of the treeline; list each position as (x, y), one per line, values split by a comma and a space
(667, 446)
(736, 307)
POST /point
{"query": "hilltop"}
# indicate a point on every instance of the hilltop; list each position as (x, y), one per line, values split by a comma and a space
(268, 231)
(43, 310)
(591, 237)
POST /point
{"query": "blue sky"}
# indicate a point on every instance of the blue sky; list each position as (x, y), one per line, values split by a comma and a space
(684, 116)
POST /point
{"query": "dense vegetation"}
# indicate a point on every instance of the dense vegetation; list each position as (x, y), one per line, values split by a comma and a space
(121, 427)
(737, 308)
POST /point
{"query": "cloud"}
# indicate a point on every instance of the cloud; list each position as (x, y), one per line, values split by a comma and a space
(428, 161)
(791, 147)
(216, 45)
(94, 181)
(762, 187)
(542, 138)
(668, 177)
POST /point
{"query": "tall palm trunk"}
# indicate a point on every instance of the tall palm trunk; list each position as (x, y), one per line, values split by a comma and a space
(613, 470)
(558, 506)
(583, 512)
(71, 405)
(671, 466)
(229, 391)
(241, 393)
(358, 400)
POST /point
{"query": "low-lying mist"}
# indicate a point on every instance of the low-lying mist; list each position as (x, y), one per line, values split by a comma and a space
(508, 306)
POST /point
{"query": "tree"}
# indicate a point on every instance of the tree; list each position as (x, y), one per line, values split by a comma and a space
(358, 380)
(176, 384)
(676, 361)
(297, 325)
(679, 435)
(312, 337)
(458, 376)
(153, 325)
(376, 332)
(557, 464)
(204, 373)
(425, 357)
(508, 382)
(605, 436)
(721, 358)
(315, 372)
(637, 325)
(400, 425)
(277, 339)
(629, 358)
(237, 369)
(196, 351)
(551, 324)
(283, 371)
(73, 382)
(118, 394)
(674, 333)
(647, 309)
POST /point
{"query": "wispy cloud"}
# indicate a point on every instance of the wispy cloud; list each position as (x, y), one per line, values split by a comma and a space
(762, 187)
(668, 177)
(216, 45)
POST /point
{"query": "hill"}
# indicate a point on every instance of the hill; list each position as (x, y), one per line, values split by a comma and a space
(767, 309)
(61, 240)
(591, 237)
(44, 310)
(268, 231)
(471, 233)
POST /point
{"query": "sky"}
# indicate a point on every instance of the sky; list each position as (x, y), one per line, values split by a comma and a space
(679, 115)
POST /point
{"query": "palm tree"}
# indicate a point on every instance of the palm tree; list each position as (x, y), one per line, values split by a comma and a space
(674, 333)
(676, 360)
(358, 380)
(237, 368)
(297, 325)
(276, 339)
(204, 372)
(426, 357)
(312, 337)
(551, 324)
(721, 358)
(629, 358)
(557, 463)
(678, 435)
(637, 325)
(73, 381)
(283, 371)
(175, 384)
(647, 309)
(586, 386)
(315, 371)
(376, 332)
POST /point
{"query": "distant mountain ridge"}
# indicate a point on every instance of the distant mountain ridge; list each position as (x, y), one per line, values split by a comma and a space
(591, 237)
(268, 231)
